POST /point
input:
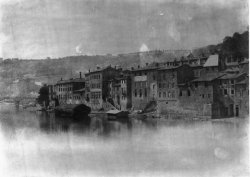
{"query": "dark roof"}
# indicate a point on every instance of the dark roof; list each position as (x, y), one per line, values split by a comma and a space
(80, 90)
(208, 77)
(71, 81)
(244, 81)
(146, 68)
(99, 70)
(168, 68)
(171, 67)
(235, 69)
(231, 76)
(196, 66)
(126, 76)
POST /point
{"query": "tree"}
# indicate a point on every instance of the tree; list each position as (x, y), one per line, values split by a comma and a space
(43, 98)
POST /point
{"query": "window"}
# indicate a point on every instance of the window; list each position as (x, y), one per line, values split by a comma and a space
(180, 94)
(172, 85)
(164, 94)
(145, 92)
(209, 95)
(196, 84)
(164, 77)
(241, 93)
(203, 95)
(159, 85)
(189, 93)
(205, 84)
(232, 92)
(140, 92)
(135, 93)
(173, 94)
(154, 77)
(225, 91)
(232, 81)
(159, 94)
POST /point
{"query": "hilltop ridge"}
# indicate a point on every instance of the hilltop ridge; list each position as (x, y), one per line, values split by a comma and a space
(37, 72)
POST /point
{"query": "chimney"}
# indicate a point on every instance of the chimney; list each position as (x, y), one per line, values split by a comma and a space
(61, 78)
(80, 75)
(98, 67)
(89, 70)
(138, 66)
(146, 64)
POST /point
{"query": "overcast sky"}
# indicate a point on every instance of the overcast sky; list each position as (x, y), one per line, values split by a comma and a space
(57, 28)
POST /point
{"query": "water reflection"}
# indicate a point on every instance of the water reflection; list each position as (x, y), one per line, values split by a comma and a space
(50, 123)
(45, 145)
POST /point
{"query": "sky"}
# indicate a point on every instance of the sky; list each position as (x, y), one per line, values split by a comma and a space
(36, 29)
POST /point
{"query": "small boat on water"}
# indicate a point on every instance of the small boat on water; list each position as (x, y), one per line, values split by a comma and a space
(116, 114)
(72, 110)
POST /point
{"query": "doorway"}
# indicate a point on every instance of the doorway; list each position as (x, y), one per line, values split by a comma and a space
(237, 111)
(231, 110)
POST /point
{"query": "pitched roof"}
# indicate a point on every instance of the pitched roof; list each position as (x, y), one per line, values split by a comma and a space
(244, 81)
(152, 66)
(213, 60)
(231, 76)
(71, 81)
(208, 77)
(99, 69)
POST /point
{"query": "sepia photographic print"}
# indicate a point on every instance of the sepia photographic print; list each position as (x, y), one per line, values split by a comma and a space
(124, 88)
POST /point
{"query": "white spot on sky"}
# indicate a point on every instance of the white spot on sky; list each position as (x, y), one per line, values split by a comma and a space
(144, 48)
(78, 49)
(38, 83)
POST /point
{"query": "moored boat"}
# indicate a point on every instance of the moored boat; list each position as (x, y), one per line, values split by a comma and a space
(72, 110)
(116, 114)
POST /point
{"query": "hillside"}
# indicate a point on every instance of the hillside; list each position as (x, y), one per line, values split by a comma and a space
(236, 46)
(26, 76)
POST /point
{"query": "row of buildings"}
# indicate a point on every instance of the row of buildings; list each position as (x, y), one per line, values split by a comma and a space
(204, 86)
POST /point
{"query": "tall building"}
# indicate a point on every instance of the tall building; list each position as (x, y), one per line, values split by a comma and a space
(71, 91)
(169, 79)
(144, 85)
(120, 92)
(97, 85)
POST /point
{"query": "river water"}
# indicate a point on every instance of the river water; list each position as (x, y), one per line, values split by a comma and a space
(42, 145)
